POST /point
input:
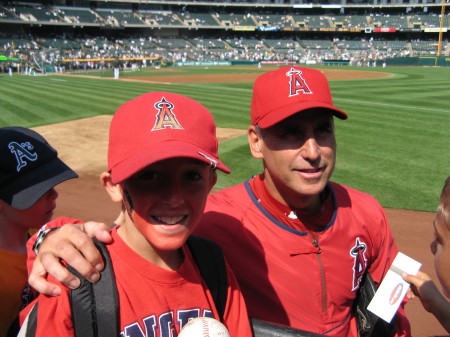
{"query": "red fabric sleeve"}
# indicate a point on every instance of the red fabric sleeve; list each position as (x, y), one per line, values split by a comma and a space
(58, 222)
(54, 314)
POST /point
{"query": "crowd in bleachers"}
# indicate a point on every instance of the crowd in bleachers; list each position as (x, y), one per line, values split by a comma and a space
(184, 18)
(55, 50)
(216, 36)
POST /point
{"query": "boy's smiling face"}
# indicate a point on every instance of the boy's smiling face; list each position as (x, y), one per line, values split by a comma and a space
(168, 199)
(164, 198)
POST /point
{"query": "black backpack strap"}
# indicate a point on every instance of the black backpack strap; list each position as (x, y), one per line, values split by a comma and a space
(209, 258)
(95, 306)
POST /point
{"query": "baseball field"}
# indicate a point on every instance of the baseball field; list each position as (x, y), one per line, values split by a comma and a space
(395, 144)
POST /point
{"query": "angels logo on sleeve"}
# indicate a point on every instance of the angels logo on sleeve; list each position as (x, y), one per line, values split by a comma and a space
(360, 262)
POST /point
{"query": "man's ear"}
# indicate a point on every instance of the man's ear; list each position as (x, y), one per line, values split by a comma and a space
(114, 190)
(255, 142)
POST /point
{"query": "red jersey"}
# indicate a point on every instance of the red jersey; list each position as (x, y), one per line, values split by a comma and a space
(153, 301)
(304, 279)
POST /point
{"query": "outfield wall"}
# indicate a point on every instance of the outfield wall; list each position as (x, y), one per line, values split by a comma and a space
(419, 61)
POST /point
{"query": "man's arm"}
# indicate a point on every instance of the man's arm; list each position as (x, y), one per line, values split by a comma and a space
(72, 242)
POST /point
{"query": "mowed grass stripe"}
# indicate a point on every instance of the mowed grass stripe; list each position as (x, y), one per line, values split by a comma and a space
(17, 113)
(389, 190)
(31, 105)
(72, 99)
(49, 106)
(434, 99)
(385, 163)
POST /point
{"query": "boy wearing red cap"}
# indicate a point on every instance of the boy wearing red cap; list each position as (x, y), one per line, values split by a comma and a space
(162, 158)
(29, 171)
(298, 243)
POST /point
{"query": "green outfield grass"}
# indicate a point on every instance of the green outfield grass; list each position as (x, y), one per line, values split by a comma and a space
(395, 144)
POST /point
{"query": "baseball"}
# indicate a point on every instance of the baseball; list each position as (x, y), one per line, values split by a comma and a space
(204, 327)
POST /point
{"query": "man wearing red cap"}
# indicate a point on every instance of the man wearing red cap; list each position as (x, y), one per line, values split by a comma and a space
(298, 243)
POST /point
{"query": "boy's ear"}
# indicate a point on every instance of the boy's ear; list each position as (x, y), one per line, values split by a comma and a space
(212, 179)
(114, 190)
(255, 142)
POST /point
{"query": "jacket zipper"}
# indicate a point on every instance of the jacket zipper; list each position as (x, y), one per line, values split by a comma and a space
(315, 242)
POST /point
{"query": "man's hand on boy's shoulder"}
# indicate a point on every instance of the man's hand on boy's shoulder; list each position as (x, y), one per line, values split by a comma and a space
(72, 242)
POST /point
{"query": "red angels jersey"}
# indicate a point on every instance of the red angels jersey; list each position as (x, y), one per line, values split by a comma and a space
(153, 302)
(307, 280)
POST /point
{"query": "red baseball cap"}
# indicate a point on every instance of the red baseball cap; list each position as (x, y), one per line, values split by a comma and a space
(281, 93)
(158, 126)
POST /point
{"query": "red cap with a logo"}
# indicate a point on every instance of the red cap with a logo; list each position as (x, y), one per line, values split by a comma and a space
(282, 93)
(158, 126)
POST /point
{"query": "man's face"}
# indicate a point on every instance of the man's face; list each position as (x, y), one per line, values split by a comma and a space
(168, 199)
(299, 154)
(440, 248)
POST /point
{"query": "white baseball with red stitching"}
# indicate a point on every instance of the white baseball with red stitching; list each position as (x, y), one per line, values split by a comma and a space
(204, 327)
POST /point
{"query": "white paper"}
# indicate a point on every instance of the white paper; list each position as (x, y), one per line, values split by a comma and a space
(393, 288)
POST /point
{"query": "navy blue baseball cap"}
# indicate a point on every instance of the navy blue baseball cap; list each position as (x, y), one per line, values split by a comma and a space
(29, 167)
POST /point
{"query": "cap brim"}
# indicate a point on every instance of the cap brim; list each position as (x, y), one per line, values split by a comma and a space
(284, 112)
(25, 192)
(166, 150)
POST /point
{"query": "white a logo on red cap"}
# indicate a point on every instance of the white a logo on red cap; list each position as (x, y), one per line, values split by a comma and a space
(22, 153)
(297, 83)
(165, 118)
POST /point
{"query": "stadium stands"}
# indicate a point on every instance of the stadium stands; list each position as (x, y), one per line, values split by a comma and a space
(119, 18)
(36, 14)
(388, 21)
(78, 15)
(428, 21)
(350, 21)
(198, 19)
(240, 32)
(230, 19)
